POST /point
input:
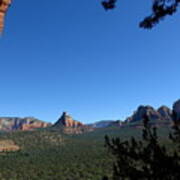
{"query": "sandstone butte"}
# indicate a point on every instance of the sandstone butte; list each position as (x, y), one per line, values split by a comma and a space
(4, 5)
(67, 121)
(8, 146)
(71, 126)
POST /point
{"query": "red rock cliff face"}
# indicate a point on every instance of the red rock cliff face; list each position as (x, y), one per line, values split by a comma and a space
(33, 125)
(71, 126)
(4, 5)
(8, 145)
(17, 123)
(67, 121)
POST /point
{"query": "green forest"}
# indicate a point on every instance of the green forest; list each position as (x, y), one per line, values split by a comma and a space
(48, 154)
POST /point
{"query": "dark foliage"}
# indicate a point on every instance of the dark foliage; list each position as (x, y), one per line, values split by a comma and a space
(160, 9)
(175, 136)
(109, 4)
(145, 159)
(49, 154)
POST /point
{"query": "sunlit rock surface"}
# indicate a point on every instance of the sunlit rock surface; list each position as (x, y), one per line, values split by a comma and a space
(16, 123)
(67, 121)
(4, 5)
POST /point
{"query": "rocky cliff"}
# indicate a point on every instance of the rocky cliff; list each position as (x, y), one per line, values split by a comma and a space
(161, 116)
(165, 113)
(4, 5)
(16, 123)
(141, 111)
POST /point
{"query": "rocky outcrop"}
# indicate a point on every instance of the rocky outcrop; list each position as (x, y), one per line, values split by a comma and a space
(161, 116)
(70, 126)
(16, 123)
(4, 5)
(67, 121)
(8, 146)
(165, 112)
(34, 125)
(144, 110)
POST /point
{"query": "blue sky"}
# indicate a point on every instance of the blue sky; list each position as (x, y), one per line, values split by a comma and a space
(73, 56)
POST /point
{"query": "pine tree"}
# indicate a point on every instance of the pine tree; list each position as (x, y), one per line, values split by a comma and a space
(146, 159)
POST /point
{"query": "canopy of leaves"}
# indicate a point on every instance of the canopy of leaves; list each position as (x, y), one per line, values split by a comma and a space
(160, 9)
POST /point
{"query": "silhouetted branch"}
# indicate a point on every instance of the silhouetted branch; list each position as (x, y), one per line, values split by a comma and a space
(160, 9)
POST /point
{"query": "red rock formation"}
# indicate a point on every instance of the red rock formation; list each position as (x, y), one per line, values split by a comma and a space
(67, 121)
(8, 145)
(4, 4)
(17, 123)
(33, 125)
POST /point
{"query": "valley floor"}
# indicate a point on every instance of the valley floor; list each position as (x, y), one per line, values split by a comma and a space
(51, 155)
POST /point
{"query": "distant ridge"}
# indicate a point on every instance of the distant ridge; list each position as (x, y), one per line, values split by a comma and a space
(161, 116)
(17, 123)
(106, 123)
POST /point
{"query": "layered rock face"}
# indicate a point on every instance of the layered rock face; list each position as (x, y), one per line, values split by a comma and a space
(161, 116)
(165, 112)
(67, 121)
(34, 125)
(144, 110)
(8, 146)
(4, 5)
(16, 123)
(70, 126)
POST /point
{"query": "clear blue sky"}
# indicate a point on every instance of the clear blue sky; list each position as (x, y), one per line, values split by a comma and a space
(73, 56)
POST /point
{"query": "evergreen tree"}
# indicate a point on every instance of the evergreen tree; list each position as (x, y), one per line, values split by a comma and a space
(146, 159)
